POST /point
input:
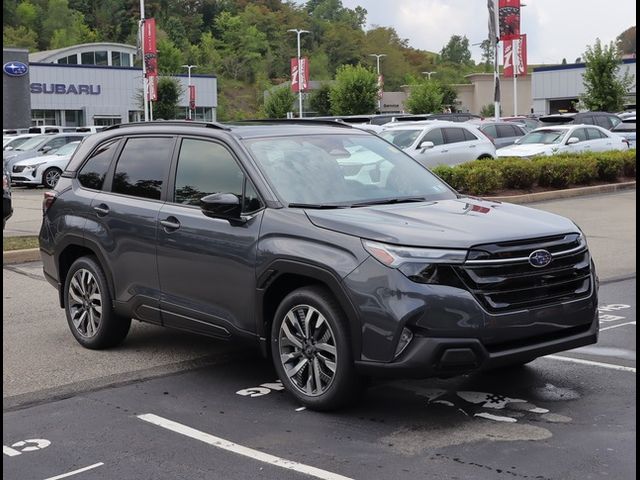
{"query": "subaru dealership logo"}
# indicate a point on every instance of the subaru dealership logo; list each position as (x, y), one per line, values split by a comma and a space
(540, 258)
(15, 69)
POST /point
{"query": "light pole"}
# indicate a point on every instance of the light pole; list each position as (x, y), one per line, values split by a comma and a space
(378, 56)
(189, 67)
(428, 74)
(298, 33)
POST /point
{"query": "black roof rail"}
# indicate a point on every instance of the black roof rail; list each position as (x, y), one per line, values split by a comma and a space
(179, 123)
(300, 121)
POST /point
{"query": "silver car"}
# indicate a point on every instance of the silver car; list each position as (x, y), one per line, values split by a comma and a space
(39, 145)
(435, 143)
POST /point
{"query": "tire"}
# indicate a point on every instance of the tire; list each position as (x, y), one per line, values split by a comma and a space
(89, 309)
(321, 378)
(50, 177)
(485, 157)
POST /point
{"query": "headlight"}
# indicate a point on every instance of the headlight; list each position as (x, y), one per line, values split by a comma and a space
(33, 166)
(410, 260)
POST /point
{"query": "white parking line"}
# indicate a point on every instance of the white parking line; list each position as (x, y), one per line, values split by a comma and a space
(592, 363)
(239, 449)
(616, 326)
(80, 470)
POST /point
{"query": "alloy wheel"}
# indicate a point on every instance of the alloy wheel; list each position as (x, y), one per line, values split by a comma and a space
(51, 178)
(85, 303)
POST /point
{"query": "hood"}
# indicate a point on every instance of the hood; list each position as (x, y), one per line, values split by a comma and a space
(38, 159)
(457, 223)
(528, 150)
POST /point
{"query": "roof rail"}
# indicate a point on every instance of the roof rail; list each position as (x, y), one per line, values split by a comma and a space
(181, 123)
(311, 121)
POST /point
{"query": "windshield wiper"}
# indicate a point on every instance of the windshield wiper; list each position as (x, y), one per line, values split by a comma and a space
(387, 201)
(318, 206)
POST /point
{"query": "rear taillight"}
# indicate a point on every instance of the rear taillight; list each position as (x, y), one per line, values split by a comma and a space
(48, 200)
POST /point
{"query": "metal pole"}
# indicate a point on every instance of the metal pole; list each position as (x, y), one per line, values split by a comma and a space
(515, 94)
(496, 73)
(145, 84)
(378, 70)
(298, 32)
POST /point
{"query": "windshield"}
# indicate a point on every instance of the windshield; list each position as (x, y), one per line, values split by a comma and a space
(33, 142)
(67, 149)
(547, 137)
(343, 170)
(401, 138)
(16, 142)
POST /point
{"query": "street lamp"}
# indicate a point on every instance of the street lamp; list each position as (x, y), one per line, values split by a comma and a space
(428, 74)
(298, 33)
(189, 67)
(378, 55)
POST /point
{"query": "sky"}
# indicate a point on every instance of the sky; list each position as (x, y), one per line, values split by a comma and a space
(555, 29)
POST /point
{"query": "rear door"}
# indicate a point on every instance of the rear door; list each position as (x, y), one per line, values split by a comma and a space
(125, 216)
(600, 141)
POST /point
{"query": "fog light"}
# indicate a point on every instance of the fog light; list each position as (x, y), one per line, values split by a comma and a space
(405, 338)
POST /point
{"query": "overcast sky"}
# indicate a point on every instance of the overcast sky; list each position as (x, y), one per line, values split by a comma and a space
(555, 29)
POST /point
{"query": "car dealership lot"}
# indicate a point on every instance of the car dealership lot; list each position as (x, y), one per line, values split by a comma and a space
(172, 405)
(554, 418)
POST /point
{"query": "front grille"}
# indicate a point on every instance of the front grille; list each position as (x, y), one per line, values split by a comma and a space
(502, 279)
(18, 168)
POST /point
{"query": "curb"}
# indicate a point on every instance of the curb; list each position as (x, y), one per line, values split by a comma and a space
(33, 254)
(568, 193)
(21, 256)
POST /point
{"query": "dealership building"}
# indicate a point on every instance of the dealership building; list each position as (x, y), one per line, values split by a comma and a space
(89, 84)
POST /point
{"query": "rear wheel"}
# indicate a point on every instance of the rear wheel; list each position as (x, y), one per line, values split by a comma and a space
(88, 306)
(51, 176)
(311, 350)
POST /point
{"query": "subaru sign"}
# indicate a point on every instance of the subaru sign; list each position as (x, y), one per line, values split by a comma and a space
(15, 69)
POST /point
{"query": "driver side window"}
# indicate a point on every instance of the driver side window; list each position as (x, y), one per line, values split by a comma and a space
(434, 136)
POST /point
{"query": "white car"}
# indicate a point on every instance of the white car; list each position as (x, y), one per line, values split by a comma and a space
(564, 139)
(44, 170)
(435, 142)
(13, 141)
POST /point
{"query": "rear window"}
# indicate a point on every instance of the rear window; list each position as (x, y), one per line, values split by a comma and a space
(454, 135)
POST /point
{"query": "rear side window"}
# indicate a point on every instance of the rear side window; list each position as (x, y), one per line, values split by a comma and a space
(505, 131)
(454, 135)
(205, 168)
(595, 134)
(490, 130)
(468, 136)
(93, 172)
(143, 167)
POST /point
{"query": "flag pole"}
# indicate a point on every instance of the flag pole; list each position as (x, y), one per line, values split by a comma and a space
(496, 73)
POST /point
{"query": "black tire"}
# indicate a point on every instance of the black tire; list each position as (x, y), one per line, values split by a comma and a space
(345, 385)
(485, 157)
(50, 177)
(89, 309)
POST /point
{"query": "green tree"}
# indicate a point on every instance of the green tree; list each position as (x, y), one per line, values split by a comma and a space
(169, 57)
(320, 101)
(425, 97)
(169, 91)
(354, 92)
(20, 37)
(605, 89)
(449, 95)
(488, 110)
(27, 15)
(626, 41)
(279, 102)
(488, 54)
(456, 51)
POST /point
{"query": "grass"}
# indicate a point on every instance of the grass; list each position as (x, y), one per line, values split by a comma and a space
(19, 243)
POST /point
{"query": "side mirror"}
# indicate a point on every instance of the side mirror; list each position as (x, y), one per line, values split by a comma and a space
(573, 140)
(46, 149)
(425, 145)
(8, 149)
(221, 205)
(517, 140)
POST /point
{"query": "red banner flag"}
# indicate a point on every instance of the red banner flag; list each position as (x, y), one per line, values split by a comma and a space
(304, 73)
(515, 56)
(509, 13)
(149, 44)
(192, 97)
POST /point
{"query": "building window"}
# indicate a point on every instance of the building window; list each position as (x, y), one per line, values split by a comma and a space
(115, 59)
(74, 118)
(136, 115)
(63, 60)
(45, 117)
(101, 58)
(72, 59)
(88, 58)
(106, 121)
(125, 59)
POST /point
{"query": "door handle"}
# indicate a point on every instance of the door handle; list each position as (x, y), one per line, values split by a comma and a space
(472, 146)
(444, 151)
(102, 209)
(170, 224)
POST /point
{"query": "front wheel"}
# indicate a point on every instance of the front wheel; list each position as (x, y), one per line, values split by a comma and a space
(311, 350)
(88, 306)
(50, 177)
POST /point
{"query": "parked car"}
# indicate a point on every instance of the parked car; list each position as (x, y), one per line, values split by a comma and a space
(7, 209)
(89, 129)
(14, 141)
(14, 131)
(564, 139)
(529, 123)
(40, 129)
(627, 114)
(253, 231)
(457, 117)
(502, 134)
(435, 143)
(627, 130)
(602, 119)
(39, 145)
(44, 170)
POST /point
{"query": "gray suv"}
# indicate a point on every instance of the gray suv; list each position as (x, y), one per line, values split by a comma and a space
(330, 248)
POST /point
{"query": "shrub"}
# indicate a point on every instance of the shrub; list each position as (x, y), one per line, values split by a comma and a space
(609, 166)
(481, 179)
(629, 163)
(454, 176)
(553, 172)
(517, 173)
(582, 171)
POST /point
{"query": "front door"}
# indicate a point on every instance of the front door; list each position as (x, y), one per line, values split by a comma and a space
(207, 265)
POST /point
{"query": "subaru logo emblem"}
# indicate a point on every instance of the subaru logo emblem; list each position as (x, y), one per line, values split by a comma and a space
(15, 69)
(540, 258)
